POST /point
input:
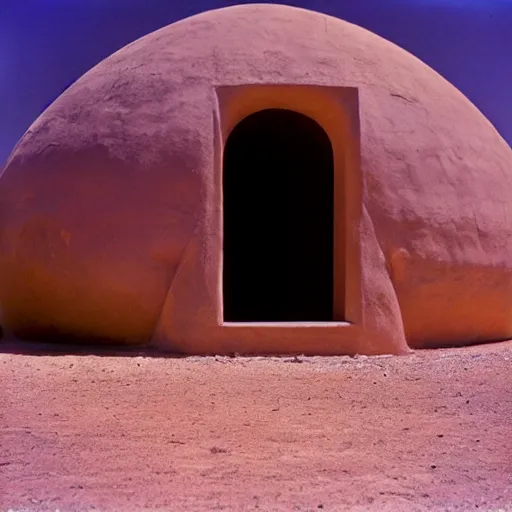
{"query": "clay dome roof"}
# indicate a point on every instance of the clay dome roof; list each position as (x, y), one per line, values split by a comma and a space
(111, 179)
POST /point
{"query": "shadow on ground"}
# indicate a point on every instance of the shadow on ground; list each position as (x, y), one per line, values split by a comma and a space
(34, 348)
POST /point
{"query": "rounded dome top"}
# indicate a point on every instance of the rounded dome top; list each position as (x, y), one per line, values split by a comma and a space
(161, 83)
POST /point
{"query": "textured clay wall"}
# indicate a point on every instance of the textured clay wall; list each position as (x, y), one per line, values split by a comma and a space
(110, 203)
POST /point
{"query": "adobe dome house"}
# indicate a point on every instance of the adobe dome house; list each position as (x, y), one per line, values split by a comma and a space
(259, 179)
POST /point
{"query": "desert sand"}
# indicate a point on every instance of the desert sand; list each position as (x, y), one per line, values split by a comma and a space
(85, 429)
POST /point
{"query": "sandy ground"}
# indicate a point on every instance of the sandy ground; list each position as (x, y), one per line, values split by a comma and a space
(102, 431)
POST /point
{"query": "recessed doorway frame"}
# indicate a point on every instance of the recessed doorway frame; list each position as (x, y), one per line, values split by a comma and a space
(278, 232)
(336, 110)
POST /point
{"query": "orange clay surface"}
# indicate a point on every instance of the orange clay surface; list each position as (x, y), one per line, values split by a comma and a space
(96, 431)
(111, 205)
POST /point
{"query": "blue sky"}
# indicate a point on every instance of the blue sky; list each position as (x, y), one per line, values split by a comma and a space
(463, 4)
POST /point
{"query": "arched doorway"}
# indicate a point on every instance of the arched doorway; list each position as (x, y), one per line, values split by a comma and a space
(278, 188)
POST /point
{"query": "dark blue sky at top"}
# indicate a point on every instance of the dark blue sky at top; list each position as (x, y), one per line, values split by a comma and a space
(45, 45)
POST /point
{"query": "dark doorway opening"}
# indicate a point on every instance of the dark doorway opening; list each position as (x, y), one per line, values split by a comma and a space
(278, 189)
